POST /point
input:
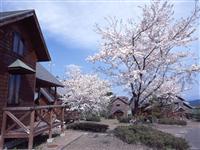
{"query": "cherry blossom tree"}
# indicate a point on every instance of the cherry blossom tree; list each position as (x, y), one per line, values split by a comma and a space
(149, 57)
(86, 92)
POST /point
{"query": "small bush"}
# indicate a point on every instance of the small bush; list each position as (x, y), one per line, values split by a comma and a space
(171, 121)
(93, 118)
(150, 137)
(195, 115)
(124, 119)
(111, 117)
(88, 126)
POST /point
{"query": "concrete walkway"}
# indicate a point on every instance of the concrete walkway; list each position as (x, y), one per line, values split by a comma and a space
(193, 137)
(191, 132)
(74, 140)
(61, 142)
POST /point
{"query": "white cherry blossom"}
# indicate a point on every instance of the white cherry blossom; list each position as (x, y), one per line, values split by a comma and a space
(86, 92)
(143, 58)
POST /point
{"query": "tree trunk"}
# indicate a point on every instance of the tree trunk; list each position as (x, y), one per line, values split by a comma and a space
(135, 99)
(135, 109)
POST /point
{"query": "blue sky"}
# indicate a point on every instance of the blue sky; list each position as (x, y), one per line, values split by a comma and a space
(68, 27)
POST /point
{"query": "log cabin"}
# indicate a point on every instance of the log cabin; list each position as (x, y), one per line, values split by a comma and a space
(22, 46)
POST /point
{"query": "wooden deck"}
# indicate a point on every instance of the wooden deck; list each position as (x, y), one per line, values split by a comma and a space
(41, 118)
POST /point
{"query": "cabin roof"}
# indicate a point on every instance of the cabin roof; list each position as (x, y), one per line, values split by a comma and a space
(47, 95)
(29, 19)
(8, 14)
(45, 78)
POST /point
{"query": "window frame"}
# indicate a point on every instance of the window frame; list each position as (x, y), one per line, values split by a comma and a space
(117, 105)
(18, 44)
(14, 86)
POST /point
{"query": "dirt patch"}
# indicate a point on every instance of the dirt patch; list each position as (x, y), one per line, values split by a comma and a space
(52, 146)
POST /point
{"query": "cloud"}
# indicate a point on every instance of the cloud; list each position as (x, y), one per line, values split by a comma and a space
(73, 22)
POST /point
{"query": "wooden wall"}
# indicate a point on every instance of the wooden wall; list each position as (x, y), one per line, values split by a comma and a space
(7, 57)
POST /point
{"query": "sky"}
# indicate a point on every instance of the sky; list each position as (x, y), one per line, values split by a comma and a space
(69, 28)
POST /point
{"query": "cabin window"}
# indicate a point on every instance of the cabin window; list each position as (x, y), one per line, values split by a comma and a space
(18, 44)
(118, 105)
(14, 86)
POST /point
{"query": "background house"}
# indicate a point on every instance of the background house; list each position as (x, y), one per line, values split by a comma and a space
(181, 107)
(120, 106)
(171, 105)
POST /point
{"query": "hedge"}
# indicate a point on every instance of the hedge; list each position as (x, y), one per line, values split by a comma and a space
(150, 137)
(88, 126)
(124, 119)
(171, 121)
(93, 118)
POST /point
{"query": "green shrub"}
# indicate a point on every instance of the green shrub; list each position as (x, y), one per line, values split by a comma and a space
(150, 137)
(88, 126)
(171, 121)
(93, 118)
(124, 119)
(195, 115)
(111, 117)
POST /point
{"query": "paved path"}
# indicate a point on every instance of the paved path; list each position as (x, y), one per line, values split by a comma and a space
(193, 137)
(191, 133)
(59, 143)
(102, 141)
(74, 140)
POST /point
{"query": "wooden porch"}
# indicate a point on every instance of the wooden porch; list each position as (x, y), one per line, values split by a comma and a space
(40, 119)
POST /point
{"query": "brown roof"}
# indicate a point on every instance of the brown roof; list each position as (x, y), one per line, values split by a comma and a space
(29, 19)
(124, 99)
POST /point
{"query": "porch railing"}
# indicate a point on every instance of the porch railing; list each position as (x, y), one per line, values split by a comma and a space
(27, 122)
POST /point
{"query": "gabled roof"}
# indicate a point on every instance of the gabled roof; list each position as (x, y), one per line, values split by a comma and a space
(186, 104)
(6, 16)
(29, 19)
(45, 78)
(121, 98)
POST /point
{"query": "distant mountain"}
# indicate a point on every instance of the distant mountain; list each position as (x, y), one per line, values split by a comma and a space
(195, 102)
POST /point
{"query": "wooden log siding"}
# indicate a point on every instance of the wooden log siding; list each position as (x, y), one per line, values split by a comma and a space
(18, 129)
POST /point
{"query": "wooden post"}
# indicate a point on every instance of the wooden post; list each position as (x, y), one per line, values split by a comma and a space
(55, 93)
(3, 129)
(62, 119)
(31, 134)
(50, 123)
